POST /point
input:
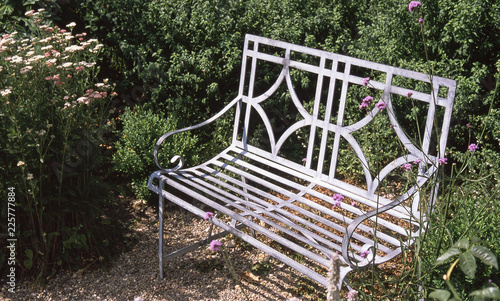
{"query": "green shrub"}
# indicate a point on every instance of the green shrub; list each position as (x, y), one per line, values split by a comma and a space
(134, 149)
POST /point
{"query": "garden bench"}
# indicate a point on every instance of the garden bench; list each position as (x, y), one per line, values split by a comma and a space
(301, 127)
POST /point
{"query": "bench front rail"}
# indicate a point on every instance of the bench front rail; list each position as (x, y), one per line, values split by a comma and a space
(283, 184)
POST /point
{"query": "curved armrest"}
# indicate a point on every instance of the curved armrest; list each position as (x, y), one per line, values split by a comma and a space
(360, 219)
(180, 160)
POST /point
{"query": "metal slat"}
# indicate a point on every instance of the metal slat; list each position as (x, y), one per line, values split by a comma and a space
(246, 222)
(383, 222)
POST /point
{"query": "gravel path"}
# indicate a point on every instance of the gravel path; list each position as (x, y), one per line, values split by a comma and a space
(199, 275)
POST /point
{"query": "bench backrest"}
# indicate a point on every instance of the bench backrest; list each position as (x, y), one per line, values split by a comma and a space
(304, 108)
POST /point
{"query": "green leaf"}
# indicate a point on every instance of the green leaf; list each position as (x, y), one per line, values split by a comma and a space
(28, 263)
(489, 292)
(441, 295)
(467, 264)
(29, 254)
(485, 255)
(462, 244)
(448, 254)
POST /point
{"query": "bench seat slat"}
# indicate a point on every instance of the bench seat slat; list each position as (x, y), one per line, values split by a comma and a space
(383, 222)
(302, 211)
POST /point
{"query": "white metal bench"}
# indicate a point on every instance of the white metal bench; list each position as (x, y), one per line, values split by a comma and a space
(279, 182)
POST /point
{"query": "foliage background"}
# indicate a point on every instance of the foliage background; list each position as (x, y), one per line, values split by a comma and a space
(181, 59)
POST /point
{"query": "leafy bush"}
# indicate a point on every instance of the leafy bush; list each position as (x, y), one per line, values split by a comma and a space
(53, 124)
(134, 149)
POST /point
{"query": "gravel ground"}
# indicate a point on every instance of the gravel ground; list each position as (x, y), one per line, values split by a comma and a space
(199, 275)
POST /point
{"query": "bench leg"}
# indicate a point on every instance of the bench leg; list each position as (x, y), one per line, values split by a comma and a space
(160, 230)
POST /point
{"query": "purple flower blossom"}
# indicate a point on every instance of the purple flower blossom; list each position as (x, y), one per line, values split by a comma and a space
(473, 147)
(353, 204)
(406, 166)
(214, 245)
(420, 21)
(443, 161)
(417, 161)
(352, 295)
(365, 253)
(304, 159)
(338, 197)
(381, 105)
(413, 5)
(208, 215)
(365, 81)
(409, 94)
(368, 99)
(468, 125)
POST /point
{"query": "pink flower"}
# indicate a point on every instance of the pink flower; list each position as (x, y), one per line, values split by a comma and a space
(338, 197)
(468, 125)
(79, 68)
(304, 159)
(417, 161)
(69, 76)
(368, 99)
(409, 94)
(406, 166)
(420, 21)
(365, 253)
(214, 245)
(365, 81)
(353, 204)
(473, 147)
(46, 54)
(208, 215)
(413, 5)
(442, 161)
(352, 295)
(380, 105)
(59, 83)
(50, 29)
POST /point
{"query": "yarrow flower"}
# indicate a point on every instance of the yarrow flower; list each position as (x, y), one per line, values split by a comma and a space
(365, 81)
(214, 245)
(381, 105)
(208, 215)
(5, 92)
(473, 147)
(442, 161)
(413, 5)
(20, 163)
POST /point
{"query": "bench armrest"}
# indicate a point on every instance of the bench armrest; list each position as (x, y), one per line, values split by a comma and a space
(360, 219)
(180, 160)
